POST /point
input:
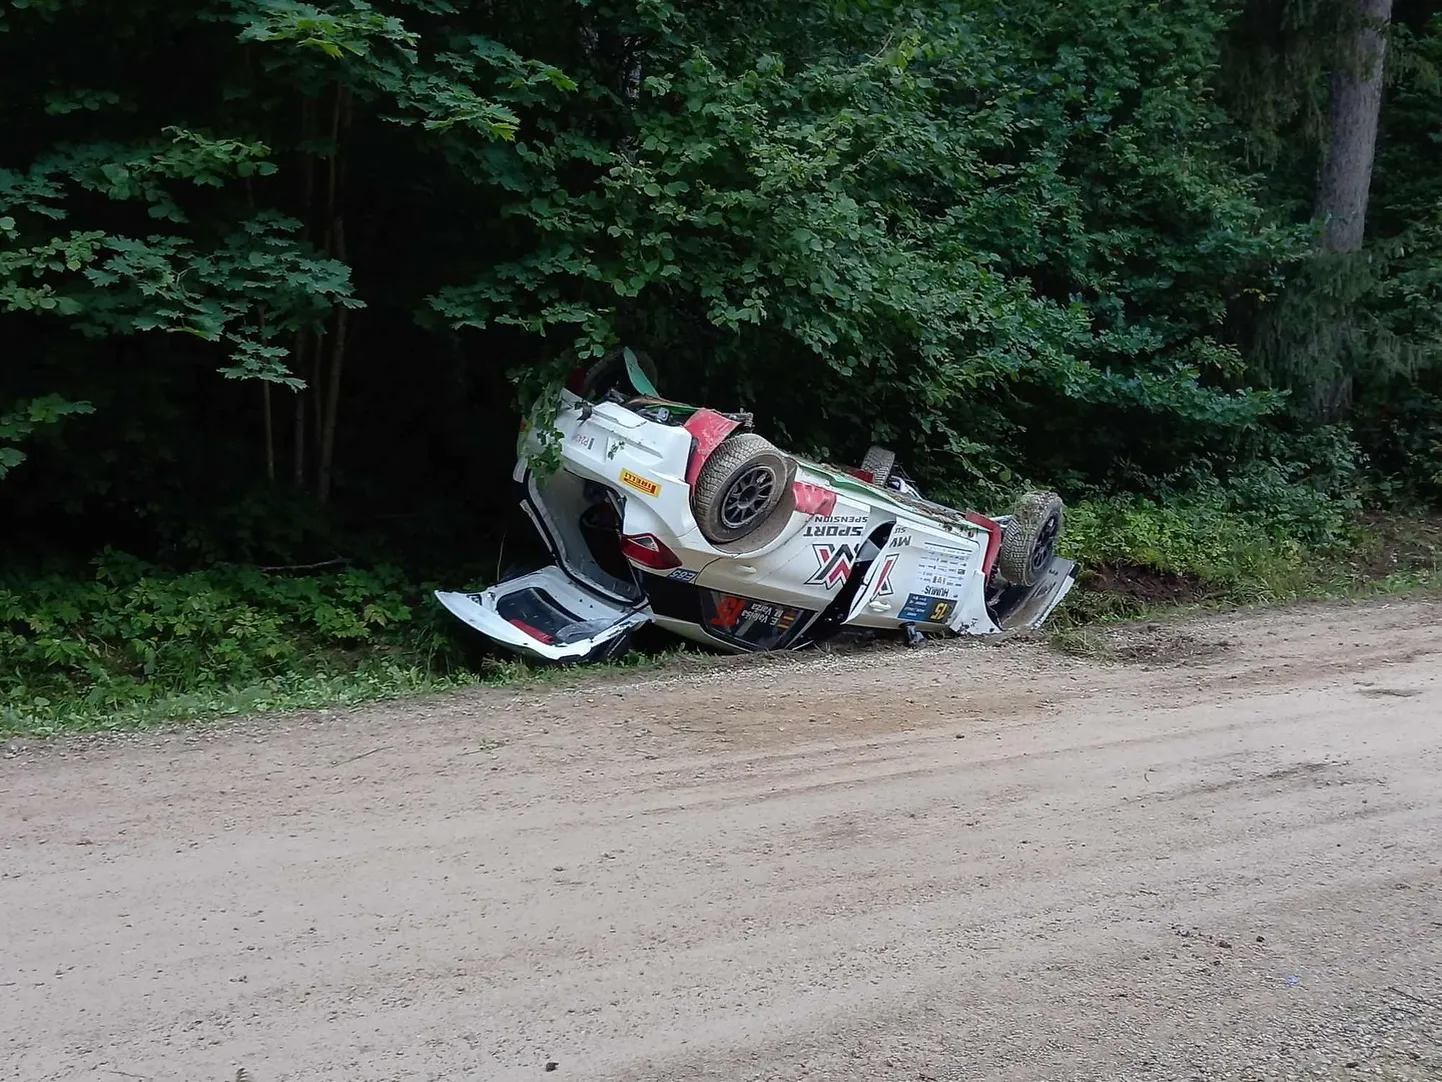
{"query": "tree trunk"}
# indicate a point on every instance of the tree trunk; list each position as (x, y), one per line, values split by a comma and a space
(328, 393)
(298, 425)
(1347, 172)
(269, 431)
(332, 397)
(266, 410)
(298, 435)
(1356, 105)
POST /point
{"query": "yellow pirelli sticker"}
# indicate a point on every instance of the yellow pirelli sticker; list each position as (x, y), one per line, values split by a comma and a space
(640, 484)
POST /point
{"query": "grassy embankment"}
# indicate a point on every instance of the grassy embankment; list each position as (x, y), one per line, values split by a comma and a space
(133, 646)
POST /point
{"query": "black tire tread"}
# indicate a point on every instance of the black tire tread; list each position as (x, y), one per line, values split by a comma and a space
(1019, 538)
(879, 462)
(735, 452)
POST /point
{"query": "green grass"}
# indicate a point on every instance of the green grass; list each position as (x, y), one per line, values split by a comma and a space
(294, 691)
(1376, 556)
(132, 647)
(370, 681)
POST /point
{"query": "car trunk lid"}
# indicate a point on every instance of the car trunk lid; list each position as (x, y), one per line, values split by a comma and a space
(549, 616)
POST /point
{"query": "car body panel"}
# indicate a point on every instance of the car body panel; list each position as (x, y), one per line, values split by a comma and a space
(841, 552)
(546, 615)
(729, 622)
(1032, 606)
(923, 576)
(805, 566)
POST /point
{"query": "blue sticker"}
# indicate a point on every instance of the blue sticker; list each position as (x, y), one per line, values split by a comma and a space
(920, 609)
(682, 574)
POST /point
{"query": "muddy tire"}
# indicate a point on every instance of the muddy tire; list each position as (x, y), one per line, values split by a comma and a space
(879, 462)
(740, 488)
(1028, 541)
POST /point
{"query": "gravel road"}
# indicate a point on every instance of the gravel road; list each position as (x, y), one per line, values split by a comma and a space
(1213, 853)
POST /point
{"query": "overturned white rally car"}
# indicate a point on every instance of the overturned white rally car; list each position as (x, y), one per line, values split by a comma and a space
(681, 516)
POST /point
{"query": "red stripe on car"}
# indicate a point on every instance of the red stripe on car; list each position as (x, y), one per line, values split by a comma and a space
(708, 428)
(534, 632)
(993, 541)
(814, 499)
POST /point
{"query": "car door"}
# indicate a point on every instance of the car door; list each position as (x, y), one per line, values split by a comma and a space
(926, 575)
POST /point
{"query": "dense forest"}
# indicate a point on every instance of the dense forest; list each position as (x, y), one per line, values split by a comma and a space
(276, 278)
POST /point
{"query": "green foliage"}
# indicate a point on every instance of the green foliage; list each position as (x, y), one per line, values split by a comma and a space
(1063, 242)
(1142, 558)
(1207, 538)
(135, 646)
(984, 233)
(926, 230)
(134, 633)
(25, 418)
(1254, 537)
(1364, 322)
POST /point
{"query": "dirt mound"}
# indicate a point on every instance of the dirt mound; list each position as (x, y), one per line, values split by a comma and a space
(1144, 584)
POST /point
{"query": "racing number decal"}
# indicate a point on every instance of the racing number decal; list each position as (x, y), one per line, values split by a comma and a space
(921, 609)
(728, 611)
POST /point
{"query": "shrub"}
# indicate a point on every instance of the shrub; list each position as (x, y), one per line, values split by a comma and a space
(134, 632)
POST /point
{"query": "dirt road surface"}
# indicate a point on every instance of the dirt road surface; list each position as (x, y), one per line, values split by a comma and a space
(1215, 854)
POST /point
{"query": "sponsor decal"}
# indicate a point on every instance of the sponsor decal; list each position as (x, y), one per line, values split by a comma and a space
(833, 528)
(883, 577)
(641, 484)
(749, 623)
(833, 565)
(836, 526)
(941, 572)
(921, 609)
(732, 611)
(683, 574)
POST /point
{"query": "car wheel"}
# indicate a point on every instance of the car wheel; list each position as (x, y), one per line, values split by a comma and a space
(1028, 541)
(879, 462)
(739, 488)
